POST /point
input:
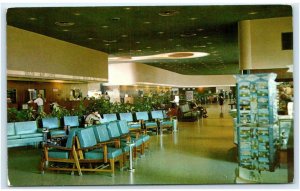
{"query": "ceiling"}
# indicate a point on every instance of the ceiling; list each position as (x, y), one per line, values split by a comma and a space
(134, 31)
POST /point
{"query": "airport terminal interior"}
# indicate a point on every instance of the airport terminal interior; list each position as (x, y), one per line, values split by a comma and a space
(150, 95)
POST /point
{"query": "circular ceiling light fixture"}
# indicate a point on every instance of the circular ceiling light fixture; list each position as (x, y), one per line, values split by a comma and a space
(147, 22)
(181, 54)
(65, 30)
(104, 26)
(193, 18)
(160, 32)
(200, 29)
(168, 13)
(90, 38)
(124, 35)
(32, 18)
(252, 13)
(77, 14)
(110, 41)
(116, 19)
(186, 35)
(64, 23)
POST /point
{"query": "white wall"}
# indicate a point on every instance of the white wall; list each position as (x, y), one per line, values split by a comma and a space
(37, 56)
(260, 43)
(137, 73)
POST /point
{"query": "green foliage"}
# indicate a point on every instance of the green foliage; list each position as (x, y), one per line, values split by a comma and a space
(13, 115)
(101, 105)
(79, 110)
(59, 111)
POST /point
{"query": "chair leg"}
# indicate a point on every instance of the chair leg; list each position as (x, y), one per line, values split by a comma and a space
(112, 165)
(77, 163)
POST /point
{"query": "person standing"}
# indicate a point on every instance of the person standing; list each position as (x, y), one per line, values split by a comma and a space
(221, 101)
(40, 103)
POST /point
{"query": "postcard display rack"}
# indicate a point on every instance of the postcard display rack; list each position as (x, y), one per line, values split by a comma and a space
(257, 123)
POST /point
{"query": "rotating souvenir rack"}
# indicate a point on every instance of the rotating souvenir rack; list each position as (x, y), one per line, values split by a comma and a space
(256, 119)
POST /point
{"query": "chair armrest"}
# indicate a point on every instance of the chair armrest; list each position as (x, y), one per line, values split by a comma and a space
(57, 147)
(99, 145)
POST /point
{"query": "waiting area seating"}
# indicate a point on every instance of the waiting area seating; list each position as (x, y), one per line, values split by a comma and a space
(163, 122)
(53, 125)
(187, 113)
(23, 134)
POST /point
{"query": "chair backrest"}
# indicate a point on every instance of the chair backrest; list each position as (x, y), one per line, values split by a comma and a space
(70, 138)
(109, 117)
(184, 108)
(86, 137)
(101, 133)
(71, 121)
(143, 115)
(51, 122)
(123, 127)
(126, 116)
(157, 114)
(113, 129)
(11, 129)
(25, 127)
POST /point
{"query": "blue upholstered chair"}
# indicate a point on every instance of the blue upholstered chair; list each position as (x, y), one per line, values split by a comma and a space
(92, 152)
(163, 123)
(109, 117)
(59, 154)
(140, 139)
(53, 125)
(72, 121)
(129, 118)
(144, 118)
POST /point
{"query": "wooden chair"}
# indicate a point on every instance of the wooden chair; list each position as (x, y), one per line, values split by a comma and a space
(146, 123)
(53, 156)
(92, 153)
(163, 122)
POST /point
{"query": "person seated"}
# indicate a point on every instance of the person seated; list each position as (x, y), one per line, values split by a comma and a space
(93, 118)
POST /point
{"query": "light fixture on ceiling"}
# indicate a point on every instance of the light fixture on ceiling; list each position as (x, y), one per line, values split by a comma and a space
(252, 13)
(65, 30)
(186, 35)
(110, 41)
(148, 47)
(178, 45)
(120, 49)
(116, 19)
(90, 38)
(64, 23)
(160, 32)
(124, 35)
(104, 26)
(291, 69)
(170, 39)
(137, 42)
(168, 13)
(127, 8)
(193, 18)
(147, 22)
(200, 29)
(107, 44)
(32, 18)
(77, 14)
(205, 37)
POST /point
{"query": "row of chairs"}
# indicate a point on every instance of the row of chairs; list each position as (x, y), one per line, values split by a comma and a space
(153, 121)
(96, 148)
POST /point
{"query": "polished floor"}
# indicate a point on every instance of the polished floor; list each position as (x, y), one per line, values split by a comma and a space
(201, 152)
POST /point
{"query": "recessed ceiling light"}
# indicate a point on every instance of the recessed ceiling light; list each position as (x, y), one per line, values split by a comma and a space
(205, 37)
(148, 47)
(147, 22)
(115, 19)
(64, 23)
(124, 35)
(188, 35)
(104, 26)
(168, 13)
(178, 45)
(203, 46)
(65, 30)
(157, 51)
(193, 18)
(137, 42)
(107, 44)
(77, 14)
(120, 49)
(127, 8)
(90, 38)
(160, 32)
(139, 50)
(200, 29)
(209, 43)
(252, 13)
(32, 18)
(110, 41)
